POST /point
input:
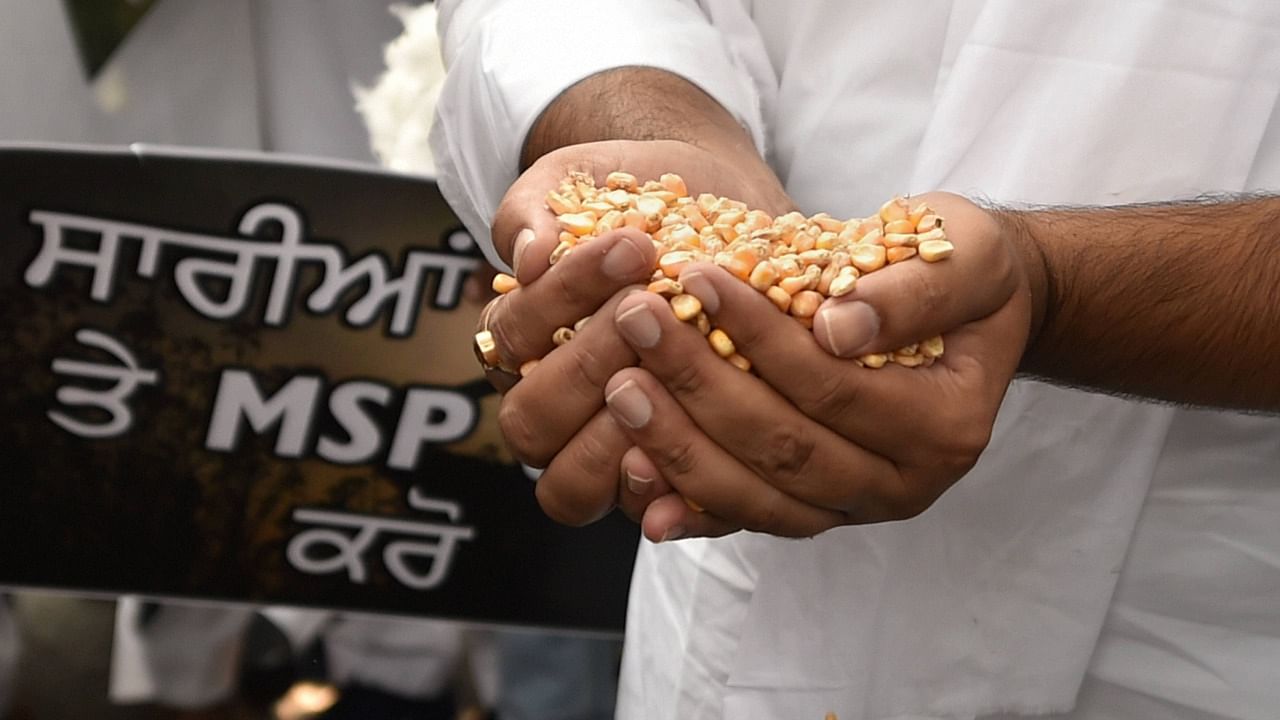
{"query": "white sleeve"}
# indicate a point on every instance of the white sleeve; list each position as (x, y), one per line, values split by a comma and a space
(508, 59)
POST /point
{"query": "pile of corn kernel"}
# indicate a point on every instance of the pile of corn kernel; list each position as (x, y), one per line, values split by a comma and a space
(795, 261)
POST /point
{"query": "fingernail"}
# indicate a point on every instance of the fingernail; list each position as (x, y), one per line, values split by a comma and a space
(623, 261)
(699, 285)
(848, 326)
(638, 485)
(640, 327)
(674, 532)
(630, 405)
(521, 244)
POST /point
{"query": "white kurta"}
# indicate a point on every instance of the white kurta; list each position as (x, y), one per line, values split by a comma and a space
(1004, 596)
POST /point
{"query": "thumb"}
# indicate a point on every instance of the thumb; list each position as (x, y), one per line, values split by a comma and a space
(913, 300)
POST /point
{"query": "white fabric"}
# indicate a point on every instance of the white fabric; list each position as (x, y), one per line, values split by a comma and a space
(245, 74)
(185, 656)
(1003, 597)
(399, 108)
(505, 82)
(410, 658)
(10, 651)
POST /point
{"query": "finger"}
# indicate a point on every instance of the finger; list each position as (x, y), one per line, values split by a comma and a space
(564, 390)
(699, 469)
(878, 409)
(640, 483)
(909, 301)
(524, 231)
(525, 320)
(762, 429)
(669, 517)
(580, 485)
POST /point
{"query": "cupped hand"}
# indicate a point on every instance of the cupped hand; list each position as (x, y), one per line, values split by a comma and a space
(554, 417)
(814, 440)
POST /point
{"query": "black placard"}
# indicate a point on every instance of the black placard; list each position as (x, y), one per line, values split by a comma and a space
(250, 379)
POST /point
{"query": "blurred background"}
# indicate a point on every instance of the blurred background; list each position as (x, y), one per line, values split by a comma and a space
(347, 80)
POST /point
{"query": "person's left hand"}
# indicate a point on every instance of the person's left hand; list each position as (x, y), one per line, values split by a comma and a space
(816, 441)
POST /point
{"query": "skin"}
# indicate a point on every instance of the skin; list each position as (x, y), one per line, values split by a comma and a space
(639, 413)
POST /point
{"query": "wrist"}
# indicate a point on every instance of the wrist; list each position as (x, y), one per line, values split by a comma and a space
(1017, 230)
(636, 103)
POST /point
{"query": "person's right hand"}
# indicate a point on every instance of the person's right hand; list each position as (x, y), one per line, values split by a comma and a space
(555, 418)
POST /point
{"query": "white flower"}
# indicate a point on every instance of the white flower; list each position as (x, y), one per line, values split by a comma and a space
(399, 108)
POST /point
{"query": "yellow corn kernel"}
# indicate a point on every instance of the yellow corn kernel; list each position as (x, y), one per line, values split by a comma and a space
(635, 219)
(779, 297)
(694, 216)
(684, 235)
(827, 223)
(741, 263)
(909, 361)
(763, 276)
(666, 287)
(560, 252)
(611, 220)
(703, 323)
(844, 283)
(709, 204)
(875, 237)
(794, 284)
(815, 257)
(650, 205)
(904, 226)
(918, 212)
(874, 360)
(740, 362)
(731, 217)
(721, 343)
(828, 274)
(620, 181)
(504, 283)
(686, 307)
(867, 258)
(756, 220)
(674, 184)
(577, 223)
(620, 199)
(898, 254)
(935, 250)
(895, 209)
(561, 205)
(673, 262)
(928, 222)
(932, 348)
(597, 207)
(804, 304)
(562, 335)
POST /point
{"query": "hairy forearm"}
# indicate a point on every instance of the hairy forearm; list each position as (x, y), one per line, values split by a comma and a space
(635, 103)
(1172, 301)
